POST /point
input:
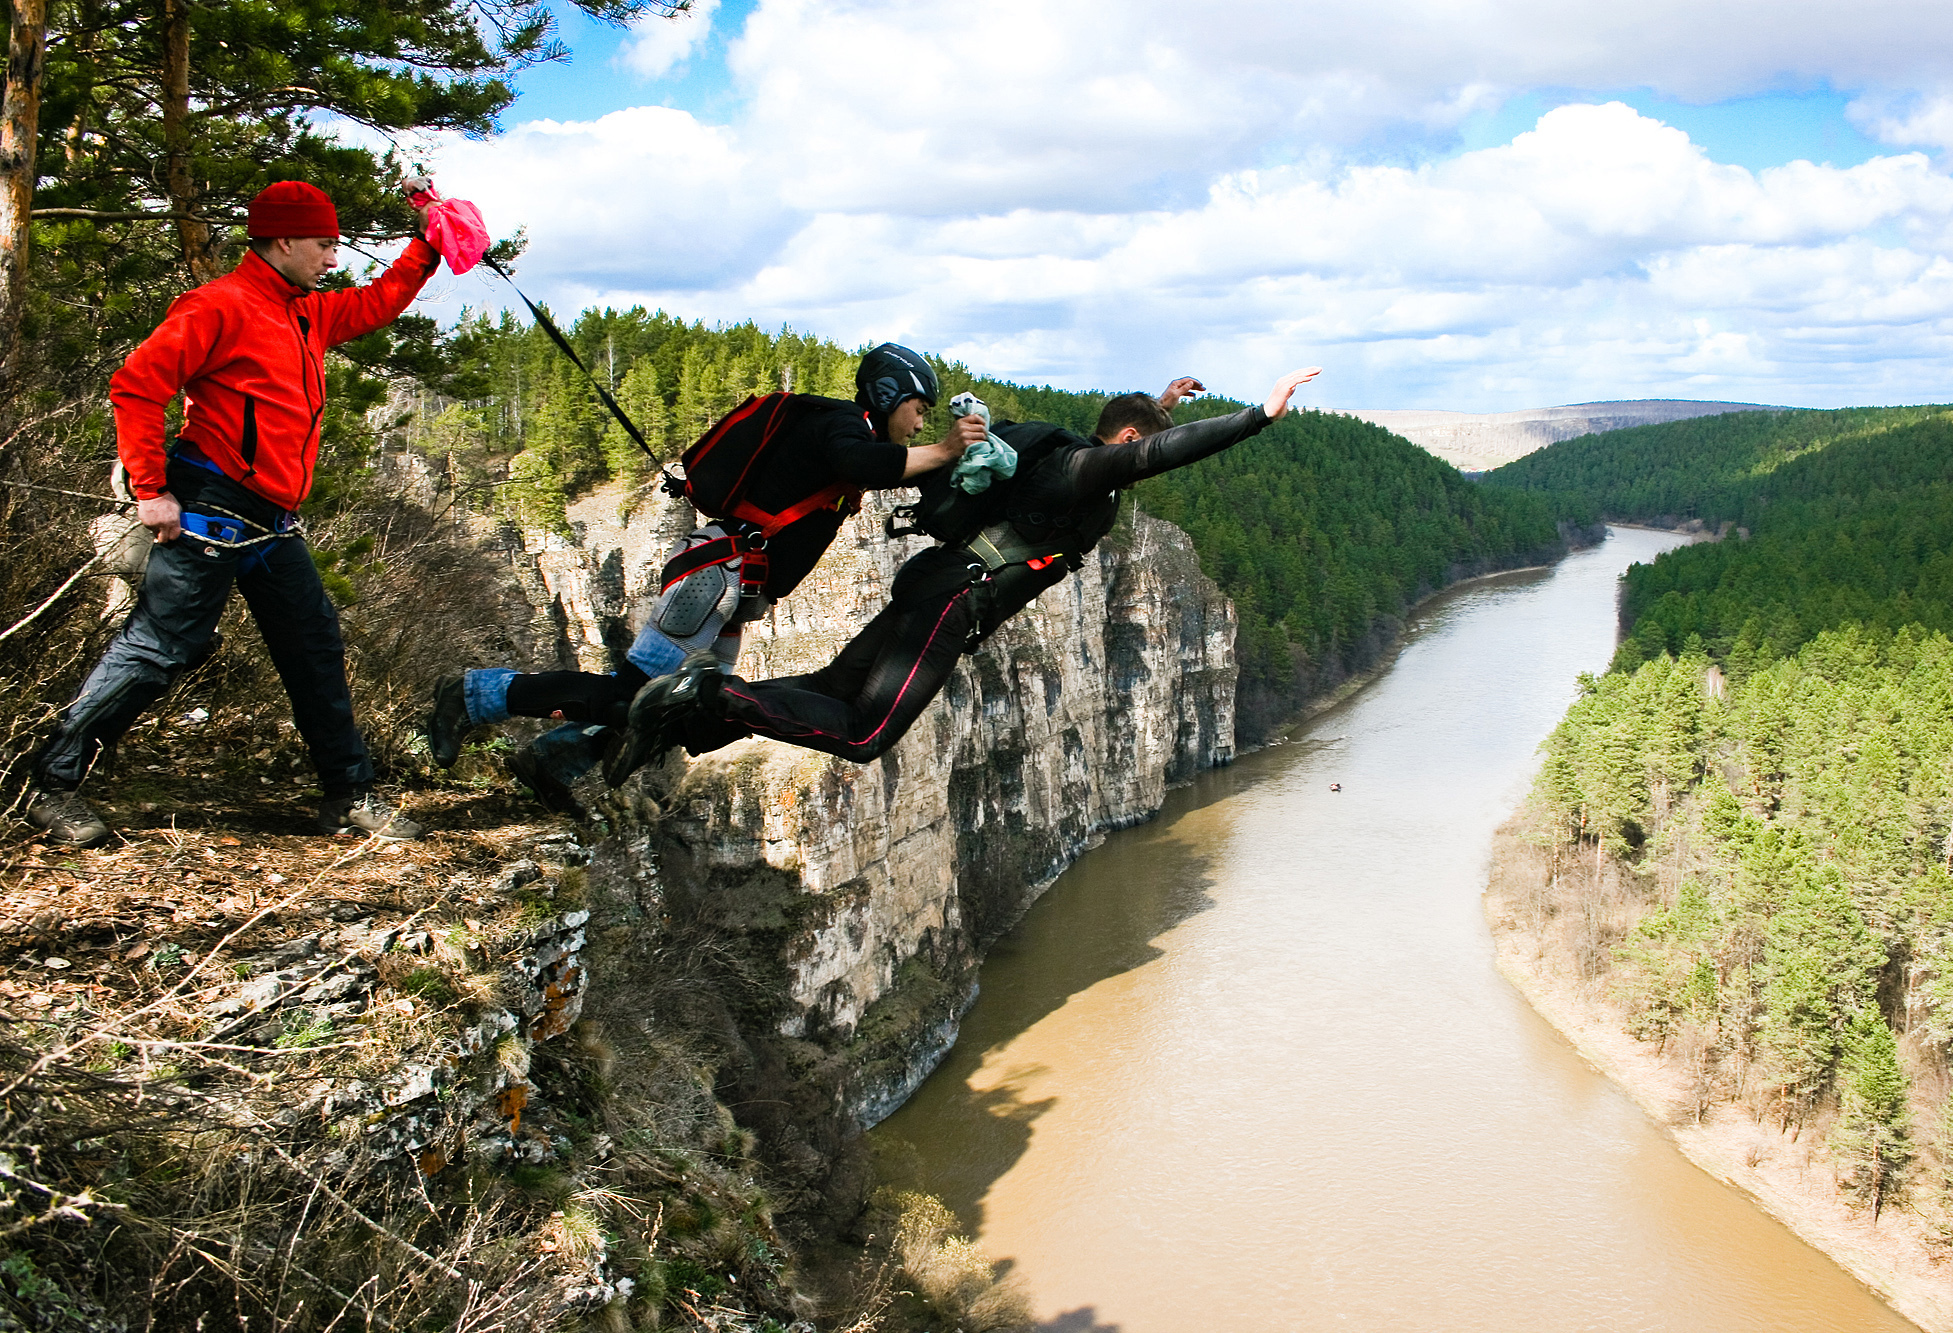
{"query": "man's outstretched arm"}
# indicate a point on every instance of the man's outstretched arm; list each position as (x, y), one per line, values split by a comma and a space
(1113, 465)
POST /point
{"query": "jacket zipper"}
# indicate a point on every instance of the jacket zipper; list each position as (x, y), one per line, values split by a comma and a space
(306, 371)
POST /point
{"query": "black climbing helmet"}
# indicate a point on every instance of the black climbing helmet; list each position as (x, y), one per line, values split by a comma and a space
(887, 375)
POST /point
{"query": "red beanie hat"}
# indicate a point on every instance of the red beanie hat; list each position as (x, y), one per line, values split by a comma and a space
(293, 208)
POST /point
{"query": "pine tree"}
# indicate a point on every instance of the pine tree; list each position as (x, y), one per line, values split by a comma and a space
(1873, 1138)
(149, 125)
(637, 393)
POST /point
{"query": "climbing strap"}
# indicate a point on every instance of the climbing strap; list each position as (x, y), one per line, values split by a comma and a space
(222, 528)
(548, 326)
(1000, 544)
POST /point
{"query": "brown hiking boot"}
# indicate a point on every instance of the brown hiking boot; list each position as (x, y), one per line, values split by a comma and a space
(366, 812)
(68, 819)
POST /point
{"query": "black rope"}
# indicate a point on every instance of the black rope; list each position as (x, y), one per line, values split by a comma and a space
(556, 335)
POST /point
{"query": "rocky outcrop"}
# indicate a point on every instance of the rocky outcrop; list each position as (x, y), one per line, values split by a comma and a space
(853, 902)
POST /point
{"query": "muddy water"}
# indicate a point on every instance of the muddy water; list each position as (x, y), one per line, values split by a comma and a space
(1250, 1067)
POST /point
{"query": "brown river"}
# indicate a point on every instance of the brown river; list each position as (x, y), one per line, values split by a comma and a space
(1250, 1066)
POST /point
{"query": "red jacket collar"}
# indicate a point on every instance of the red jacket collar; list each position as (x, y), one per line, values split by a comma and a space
(267, 281)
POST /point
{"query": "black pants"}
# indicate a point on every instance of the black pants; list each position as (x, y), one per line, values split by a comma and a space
(183, 595)
(864, 701)
(575, 696)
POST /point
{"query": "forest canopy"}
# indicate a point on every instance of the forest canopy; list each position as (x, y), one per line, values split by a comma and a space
(1770, 762)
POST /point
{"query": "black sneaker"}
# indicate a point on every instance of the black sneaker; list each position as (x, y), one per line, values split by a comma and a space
(527, 767)
(657, 715)
(447, 722)
(367, 813)
(67, 818)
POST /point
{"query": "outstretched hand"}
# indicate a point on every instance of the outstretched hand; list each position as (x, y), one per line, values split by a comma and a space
(1277, 405)
(1184, 387)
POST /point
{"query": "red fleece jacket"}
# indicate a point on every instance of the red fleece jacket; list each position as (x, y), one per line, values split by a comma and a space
(248, 350)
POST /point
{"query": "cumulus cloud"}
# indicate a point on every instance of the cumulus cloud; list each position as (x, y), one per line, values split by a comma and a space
(926, 105)
(1906, 118)
(1100, 195)
(644, 194)
(659, 45)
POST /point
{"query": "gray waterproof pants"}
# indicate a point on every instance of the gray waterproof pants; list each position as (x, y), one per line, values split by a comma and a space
(170, 629)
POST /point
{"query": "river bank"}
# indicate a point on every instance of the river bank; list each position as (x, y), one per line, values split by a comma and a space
(1315, 705)
(1902, 1256)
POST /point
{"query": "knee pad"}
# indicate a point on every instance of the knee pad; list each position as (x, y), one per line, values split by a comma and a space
(687, 606)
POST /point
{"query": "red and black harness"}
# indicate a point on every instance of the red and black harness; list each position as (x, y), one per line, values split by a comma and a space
(719, 470)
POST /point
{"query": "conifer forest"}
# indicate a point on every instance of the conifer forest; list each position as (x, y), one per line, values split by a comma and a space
(1769, 763)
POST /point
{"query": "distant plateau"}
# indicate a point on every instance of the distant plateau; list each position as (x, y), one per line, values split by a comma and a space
(1480, 441)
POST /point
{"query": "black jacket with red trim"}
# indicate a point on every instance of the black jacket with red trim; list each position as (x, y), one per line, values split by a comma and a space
(830, 445)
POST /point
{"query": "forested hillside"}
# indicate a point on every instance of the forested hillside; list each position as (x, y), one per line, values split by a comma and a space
(1836, 518)
(1705, 468)
(1323, 529)
(1747, 824)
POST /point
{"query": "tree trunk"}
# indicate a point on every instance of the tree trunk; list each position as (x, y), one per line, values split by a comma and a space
(20, 117)
(199, 252)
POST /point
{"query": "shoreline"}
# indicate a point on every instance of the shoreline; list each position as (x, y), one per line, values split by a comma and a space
(1356, 681)
(1351, 684)
(1789, 1177)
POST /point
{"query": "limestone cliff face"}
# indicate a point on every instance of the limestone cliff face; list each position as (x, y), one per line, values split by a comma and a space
(858, 899)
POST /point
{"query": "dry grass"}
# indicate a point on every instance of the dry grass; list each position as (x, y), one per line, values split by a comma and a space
(946, 1272)
(159, 1168)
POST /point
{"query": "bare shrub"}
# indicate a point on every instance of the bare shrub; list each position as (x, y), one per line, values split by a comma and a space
(950, 1272)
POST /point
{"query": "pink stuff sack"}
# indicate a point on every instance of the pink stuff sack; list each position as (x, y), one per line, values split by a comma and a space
(454, 227)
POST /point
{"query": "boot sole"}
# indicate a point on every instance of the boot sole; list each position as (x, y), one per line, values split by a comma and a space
(65, 840)
(448, 754)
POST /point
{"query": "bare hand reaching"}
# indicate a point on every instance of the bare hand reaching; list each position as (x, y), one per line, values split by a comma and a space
(963, 432)
(1184, 387)
(1277, 405)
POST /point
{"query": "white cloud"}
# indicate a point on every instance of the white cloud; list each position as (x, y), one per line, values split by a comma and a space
(649, 193)
(926, 105)
(659, 45)
(1909, 119)
(1100, 195)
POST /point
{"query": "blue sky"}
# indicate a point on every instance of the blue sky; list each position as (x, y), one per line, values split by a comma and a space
(1765, 130)
(595, 80)
(1478, 206)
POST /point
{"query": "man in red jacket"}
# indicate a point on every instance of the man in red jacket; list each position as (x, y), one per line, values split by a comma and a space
(248, 353)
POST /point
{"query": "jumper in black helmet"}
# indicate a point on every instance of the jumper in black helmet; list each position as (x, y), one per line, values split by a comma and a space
(889, 375)
(779, 475)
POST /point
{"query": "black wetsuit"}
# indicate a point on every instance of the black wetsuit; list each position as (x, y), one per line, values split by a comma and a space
(861, 703)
